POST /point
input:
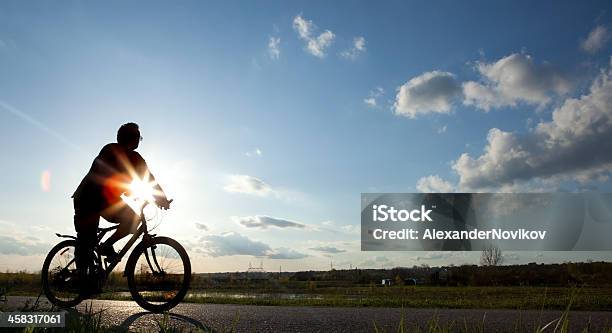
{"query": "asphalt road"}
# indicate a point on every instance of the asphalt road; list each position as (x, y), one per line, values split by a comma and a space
(250, 318)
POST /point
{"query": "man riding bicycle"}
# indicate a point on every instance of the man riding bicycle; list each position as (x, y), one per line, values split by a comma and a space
(99, 195)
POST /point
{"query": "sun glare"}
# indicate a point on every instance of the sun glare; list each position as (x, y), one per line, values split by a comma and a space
(140, 189)
(138, 193)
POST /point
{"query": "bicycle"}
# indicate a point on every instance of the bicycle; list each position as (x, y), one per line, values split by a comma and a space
(157, 282)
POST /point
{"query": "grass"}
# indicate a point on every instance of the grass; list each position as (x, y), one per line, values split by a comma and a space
(523, 298)
(435, 325)
(593, 299)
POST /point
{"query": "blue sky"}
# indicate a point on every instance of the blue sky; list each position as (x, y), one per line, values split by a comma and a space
(257, 115)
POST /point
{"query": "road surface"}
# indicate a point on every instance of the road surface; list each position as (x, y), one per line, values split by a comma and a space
(251, 318)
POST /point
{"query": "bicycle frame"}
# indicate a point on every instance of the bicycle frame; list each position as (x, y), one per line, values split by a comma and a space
(142, 230)
(107, 267)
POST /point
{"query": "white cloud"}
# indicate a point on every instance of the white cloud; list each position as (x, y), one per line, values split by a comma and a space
(514, 79)
(484, 97)
(315, 45)
(430, 92)
(26, 246)
(231, 243)
(573, 145)
(263, 222)
(357, 49)
(434, 184)
(274, 47)
(442, 129)
(201, 226)
(285, 253)
(373, 95)
(595, 41)
(248, 185)
(350, 229)
(370, 101)
(255, 152)
(327, 249)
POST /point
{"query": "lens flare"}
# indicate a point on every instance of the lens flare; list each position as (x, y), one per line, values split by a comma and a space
(45, 181)
(139, 192)
(140, 189)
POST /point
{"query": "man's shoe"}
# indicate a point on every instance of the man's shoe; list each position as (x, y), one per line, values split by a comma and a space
(108, 251)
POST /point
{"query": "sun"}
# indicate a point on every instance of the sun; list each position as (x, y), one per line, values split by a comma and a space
(139, 193)
(141, 190)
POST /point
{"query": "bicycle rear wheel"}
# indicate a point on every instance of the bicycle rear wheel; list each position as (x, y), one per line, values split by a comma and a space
(158, 273)
(60, 277)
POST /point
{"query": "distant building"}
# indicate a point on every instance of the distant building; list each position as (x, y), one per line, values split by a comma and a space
(387, 282)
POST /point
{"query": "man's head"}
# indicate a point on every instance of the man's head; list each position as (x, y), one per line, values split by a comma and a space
(128, 136)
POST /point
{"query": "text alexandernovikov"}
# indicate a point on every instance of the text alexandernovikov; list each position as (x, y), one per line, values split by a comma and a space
(384, 213)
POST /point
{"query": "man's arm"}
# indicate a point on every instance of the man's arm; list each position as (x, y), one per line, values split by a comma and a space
(158, 193)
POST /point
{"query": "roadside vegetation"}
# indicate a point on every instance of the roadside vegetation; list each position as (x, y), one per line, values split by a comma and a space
(486, 287)
(594, 299)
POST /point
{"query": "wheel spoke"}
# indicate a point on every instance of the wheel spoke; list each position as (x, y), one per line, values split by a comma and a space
(61, 274)
(163, 278)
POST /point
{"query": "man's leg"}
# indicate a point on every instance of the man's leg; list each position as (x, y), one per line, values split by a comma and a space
(86, 224)
(128, 222)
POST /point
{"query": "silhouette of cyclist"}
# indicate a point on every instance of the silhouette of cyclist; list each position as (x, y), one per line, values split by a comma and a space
(99, 195)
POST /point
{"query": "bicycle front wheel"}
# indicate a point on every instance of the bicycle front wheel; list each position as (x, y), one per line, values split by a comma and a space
(158, 273)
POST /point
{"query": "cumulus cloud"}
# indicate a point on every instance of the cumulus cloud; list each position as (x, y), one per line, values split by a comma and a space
(315, 45)
(248, 185)
(350, 229)
(201, 226)
(23, 247)
(327, 249)
(285, 253)
(370, 101)
(434, 184)
(595, 41)
(263, 222)
(373, 96)
(357, 49)
(274, 48)
(574, 144)
(512, 80)
(231, 243)
(430, 92)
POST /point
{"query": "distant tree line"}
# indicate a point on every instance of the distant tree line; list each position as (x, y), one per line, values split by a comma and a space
(567, 274)
(591, 274)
